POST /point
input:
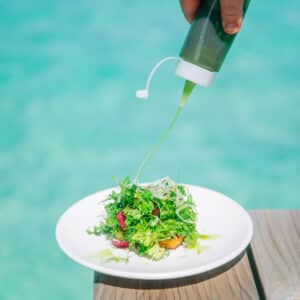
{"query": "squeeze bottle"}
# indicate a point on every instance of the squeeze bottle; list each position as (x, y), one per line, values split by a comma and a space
(203, 51)
(206, 44)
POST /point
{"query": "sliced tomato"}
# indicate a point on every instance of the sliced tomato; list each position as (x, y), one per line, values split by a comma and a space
(121, 220)
(155, 211)
(171, 243)
(119, 244)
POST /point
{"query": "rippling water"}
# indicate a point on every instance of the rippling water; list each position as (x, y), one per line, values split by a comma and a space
(69, 120)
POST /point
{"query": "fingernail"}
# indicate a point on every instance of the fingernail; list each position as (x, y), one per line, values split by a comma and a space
(190, 19)
(231, 28)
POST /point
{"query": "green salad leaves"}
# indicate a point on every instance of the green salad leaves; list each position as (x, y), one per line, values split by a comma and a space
(150, 219)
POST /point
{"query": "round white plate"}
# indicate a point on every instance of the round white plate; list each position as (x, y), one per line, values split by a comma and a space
(217, 215)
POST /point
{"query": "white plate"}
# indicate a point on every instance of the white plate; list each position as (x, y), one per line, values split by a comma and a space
(217, 214)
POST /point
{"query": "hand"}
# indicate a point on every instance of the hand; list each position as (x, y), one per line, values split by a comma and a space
(231, 11)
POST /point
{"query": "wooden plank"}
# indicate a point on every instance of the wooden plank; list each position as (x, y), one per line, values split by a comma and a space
(234, 284)
(275, 251)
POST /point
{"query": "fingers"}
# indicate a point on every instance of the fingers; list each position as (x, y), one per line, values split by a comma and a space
(189, 8)
(231, 11)
(232, 15)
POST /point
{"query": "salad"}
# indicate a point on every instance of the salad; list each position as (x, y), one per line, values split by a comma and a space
(150, 220)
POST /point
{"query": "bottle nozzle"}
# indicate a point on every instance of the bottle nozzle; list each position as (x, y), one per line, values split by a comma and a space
(144, 94)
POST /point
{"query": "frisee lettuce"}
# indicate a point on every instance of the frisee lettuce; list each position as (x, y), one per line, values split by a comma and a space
(152, 213)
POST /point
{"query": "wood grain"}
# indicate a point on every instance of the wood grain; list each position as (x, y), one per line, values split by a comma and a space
(234, 284)
(276, 252)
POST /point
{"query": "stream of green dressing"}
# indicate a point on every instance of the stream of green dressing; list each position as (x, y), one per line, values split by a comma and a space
(187, 90)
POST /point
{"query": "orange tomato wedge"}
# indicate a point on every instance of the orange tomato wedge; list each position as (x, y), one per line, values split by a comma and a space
(171, 243)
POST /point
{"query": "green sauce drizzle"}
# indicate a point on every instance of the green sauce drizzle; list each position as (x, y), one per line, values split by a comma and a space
(187, 90)
(107, 255)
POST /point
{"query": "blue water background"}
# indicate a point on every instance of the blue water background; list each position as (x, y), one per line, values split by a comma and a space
(69, 120)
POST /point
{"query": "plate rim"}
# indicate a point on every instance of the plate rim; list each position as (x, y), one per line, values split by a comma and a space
(161, 275)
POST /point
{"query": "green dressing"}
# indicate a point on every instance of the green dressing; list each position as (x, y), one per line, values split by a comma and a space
(200, 248)
(107, 255)
(187, 90)
(208, 237)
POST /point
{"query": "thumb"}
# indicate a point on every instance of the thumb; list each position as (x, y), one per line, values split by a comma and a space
(232, 15)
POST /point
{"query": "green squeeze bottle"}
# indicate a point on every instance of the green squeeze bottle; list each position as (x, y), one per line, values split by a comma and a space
(206, 45)
(203, 51)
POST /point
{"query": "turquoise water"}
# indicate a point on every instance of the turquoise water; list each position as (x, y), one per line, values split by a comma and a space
(69, 120)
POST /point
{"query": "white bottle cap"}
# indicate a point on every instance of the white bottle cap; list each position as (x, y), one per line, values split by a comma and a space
(194, 73)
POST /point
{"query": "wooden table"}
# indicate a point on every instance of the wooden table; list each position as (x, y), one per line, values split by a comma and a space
(270, 269)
